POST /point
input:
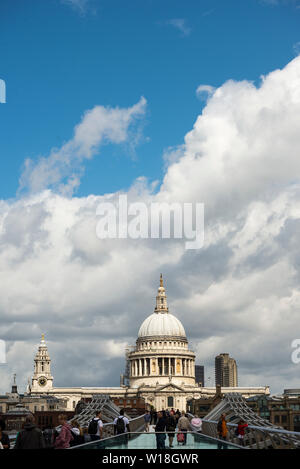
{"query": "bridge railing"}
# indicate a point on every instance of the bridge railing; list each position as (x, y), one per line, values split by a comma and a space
(256, 437)
(135, 425)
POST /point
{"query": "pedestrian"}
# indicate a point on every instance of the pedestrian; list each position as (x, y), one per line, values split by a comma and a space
(95, 429)
(196, 424)
(177, 415)
(184, 425)
(222, 431)
(170, 427)
(4, 439)
(64, 438)
(241, 431)
(154, 417)
(121, 427)
(77, 433)
(160, 429)
(48, 434)
(147, 419)
(31, 437)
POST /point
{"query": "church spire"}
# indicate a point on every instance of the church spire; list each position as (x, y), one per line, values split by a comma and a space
(161, 281)
(161, 299)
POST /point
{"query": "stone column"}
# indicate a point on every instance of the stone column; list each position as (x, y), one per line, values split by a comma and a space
(169, 365)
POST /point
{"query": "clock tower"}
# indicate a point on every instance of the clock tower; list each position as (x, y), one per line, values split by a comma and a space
(42, 380)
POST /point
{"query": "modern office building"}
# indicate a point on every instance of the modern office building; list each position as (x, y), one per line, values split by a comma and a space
(226, 371)
(199, 375)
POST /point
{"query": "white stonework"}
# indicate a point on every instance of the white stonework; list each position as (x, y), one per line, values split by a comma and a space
(162, 368)
(42, 380)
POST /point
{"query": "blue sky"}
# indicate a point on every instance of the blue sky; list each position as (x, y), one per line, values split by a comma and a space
(59, 60)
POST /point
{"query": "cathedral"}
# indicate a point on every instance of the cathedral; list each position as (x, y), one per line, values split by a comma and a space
(161, 367)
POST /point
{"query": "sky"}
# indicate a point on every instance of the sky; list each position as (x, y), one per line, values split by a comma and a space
(194, 101)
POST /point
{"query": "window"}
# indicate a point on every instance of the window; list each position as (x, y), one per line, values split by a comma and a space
(170, 401)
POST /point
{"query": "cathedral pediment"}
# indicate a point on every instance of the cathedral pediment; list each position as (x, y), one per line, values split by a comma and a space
(170, 387)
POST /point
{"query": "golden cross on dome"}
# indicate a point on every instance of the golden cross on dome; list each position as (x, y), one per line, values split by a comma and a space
(161, 281)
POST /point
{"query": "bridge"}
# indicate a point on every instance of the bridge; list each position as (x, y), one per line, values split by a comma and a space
(104, 404)
(260, 433)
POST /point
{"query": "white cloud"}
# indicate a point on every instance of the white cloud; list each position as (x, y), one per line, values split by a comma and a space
(181, 25)
(205, 91)
(296, 48)
(63, 168)
(239, 294)
(78, 5)
(281, 2)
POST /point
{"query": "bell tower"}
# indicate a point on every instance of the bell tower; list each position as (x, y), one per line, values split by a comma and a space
(42, 380)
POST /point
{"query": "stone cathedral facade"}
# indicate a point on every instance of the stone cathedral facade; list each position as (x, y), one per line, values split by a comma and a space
(161, 367)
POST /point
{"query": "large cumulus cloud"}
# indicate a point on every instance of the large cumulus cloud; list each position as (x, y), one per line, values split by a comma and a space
(238, 294)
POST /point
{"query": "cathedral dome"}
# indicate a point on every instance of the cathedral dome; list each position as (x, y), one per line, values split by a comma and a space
(161, 324)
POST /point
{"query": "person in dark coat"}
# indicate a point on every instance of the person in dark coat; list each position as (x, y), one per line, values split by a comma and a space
(4, 439)
(31, 437)
(160, 429)
(170, 427)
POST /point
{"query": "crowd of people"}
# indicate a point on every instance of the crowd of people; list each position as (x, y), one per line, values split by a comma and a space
(166, 423)
(64, 436)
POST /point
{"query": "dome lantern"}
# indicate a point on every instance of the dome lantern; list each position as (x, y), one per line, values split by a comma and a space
(161, 323)
(161, 299)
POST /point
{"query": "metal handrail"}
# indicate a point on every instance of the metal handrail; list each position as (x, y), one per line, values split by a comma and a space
(155, 433)
(255, 427)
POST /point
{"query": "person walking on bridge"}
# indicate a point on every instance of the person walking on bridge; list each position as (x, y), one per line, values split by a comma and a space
(65, 437)
(160, 429)
(184, 425)
(95, 429)
(31, 437)
(241, 431)
(147, 419)
(121, 427)
(171, 426)
(222, 431)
